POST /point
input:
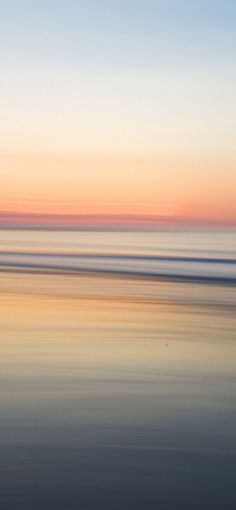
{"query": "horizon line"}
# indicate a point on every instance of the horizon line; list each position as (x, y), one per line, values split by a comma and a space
(16, 219)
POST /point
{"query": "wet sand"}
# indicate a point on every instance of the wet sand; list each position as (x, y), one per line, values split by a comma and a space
(116, 394)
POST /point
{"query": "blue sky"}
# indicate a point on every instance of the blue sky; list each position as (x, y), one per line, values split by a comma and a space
(117, 32)
(168, 66)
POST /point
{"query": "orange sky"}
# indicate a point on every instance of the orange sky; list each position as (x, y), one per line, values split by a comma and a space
(127, 111)
(178, 187)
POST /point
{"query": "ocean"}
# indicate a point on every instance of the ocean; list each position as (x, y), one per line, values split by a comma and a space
(117, 369)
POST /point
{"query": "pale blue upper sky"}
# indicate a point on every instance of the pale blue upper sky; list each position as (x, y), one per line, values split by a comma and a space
(117, 76)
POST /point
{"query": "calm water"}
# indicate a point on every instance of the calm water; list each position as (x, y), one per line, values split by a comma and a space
(117, 370)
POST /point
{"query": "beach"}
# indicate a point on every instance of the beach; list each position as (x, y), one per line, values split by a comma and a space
(116, 391)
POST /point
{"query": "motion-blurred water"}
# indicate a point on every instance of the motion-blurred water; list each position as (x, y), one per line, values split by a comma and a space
(181, 256)
(117, 370)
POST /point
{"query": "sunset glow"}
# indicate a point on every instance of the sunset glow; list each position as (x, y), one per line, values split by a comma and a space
(123, 112)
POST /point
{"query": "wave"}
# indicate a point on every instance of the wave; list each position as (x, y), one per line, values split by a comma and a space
(197, 269)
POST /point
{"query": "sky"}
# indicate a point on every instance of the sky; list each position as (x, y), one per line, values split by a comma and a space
(118, 108)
